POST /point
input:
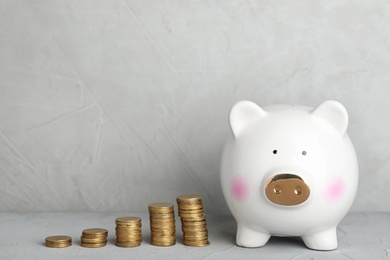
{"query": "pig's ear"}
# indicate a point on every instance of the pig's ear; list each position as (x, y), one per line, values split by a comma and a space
(334, 113)
(242, 114)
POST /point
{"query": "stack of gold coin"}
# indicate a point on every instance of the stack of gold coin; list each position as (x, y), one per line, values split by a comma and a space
(162, 224)
(128, 231)
(94, 237)
(193, 220)
(58, 241)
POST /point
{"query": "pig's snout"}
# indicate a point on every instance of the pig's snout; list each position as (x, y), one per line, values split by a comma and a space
(287, 189)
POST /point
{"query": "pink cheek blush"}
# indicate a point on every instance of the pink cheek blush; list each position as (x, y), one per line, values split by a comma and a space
(239, 188)
(335, 190)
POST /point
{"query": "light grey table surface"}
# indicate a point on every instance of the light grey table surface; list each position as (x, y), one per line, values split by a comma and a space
(360, 235)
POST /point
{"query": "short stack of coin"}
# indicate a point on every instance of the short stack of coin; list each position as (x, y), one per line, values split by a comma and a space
(162, 224)
(128, 232)
(94, 237)
(193, 220)
(58, 241)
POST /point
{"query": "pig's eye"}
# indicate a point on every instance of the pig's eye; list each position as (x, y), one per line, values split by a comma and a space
(304, 152)
(275, 151)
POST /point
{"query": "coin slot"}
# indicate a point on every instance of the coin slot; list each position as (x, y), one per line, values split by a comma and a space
(284, 176)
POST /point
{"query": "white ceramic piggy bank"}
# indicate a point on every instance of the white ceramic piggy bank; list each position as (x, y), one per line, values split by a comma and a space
(289, 171)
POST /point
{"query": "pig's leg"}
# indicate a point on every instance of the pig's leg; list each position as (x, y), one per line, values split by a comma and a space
(248, 237)
(324, 240)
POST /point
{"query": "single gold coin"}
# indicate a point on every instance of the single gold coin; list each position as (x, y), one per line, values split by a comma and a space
(191, 211)
(163, 243)
(94, 232)
(128, 240)
(123, 244)
(193, 222)
(92, 240)
(128, 224)
(139, 235)
(127, 219)
(128, 230)
(162, 224)
(58, 241)
(193, 238)
(162, 217)
(168, 219)
(95, 245)
(194, 225)
(168, 240)
(196, 243)
(194, 229)
(189, 203)
(192, 197)
(160, 207)
(190, 208)
(196, 233)
(192, 215)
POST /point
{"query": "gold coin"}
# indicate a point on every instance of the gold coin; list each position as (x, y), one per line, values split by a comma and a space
(127, 220)
(92, 240)
(163, 224)
(58, 241)
(160, 207)
(163, 220)
(95, 232)
(165, 233)
(122, 230)
(193, 226)
(93, 245)
(138, 241)
(128, 226)
(163, 243)
(134, 231)
(190, 203)
(162, 213)
(191, 211)
(193, 222)
(192, 238)
(163, 240)
(127, 240)
(197, 243)
(159, 228)
(162, 216)
(192, 215)
(192, 197)
(121, 244)
(195, 233)
(122, 227)
(190, 207)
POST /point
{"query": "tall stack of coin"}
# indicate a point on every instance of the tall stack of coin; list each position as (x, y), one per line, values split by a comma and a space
(94, 237)
(128, 231)
(193, 220)
(58, 241)
(162, 224)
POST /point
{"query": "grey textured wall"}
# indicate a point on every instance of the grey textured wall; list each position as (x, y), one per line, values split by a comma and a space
(110, 105)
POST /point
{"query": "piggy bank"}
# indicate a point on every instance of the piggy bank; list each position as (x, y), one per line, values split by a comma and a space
(289, 171)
